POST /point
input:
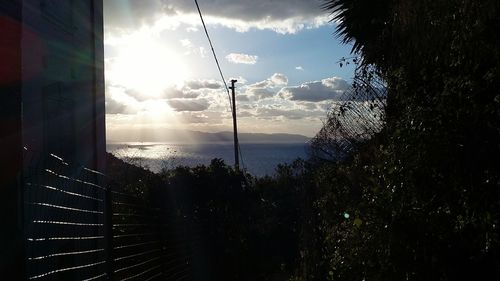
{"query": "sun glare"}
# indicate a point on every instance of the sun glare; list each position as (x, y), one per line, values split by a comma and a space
(148, 68)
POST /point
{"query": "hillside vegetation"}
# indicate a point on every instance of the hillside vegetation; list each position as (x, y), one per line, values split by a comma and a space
(418, 199)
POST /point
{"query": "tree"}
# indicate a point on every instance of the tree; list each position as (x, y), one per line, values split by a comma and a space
(427, 188)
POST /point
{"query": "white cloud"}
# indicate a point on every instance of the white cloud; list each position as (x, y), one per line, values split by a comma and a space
(189, 48)
(299, 68)
(244, 114)
(123, 14)
(188, 104)
(203, 52)
(309, 105)
(207, 118)
(242, 58)
(114, 107)
(267, 112)
(282, 16)
(120, 95)
(203, 84)
(326, 89)
(266, 89)
(193, 118)
(242, 97)
(259, 93)
(279, 79)
(171, 93)
(285, 26)
(240, 80)
(186, 43)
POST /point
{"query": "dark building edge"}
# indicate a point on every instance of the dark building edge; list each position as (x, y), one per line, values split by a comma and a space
(11, 199)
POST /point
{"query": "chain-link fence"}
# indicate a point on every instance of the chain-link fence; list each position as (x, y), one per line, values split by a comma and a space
(357, 116)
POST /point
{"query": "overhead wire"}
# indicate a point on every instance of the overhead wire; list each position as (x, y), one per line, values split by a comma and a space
(215, 56)
(222, 77)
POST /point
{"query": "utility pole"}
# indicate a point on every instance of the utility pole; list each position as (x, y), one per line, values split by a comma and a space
(235, 130)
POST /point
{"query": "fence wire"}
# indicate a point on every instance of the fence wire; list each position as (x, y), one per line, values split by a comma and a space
(81, 225)
(357, 116)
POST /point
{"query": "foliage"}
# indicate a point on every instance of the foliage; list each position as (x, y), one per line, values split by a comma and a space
(423, 196)
(418, 199)
(248, 227)
(238, 227)
(132, 179)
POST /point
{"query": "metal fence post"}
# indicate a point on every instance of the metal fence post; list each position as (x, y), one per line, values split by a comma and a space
(108, 211)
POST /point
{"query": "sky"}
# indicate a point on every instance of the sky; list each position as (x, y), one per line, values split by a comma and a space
(161, 74)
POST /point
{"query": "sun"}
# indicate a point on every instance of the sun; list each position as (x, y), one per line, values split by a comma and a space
(147, 67)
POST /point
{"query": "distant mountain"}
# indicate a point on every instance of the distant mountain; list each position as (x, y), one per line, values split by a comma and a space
(250, 137)
(179, 136)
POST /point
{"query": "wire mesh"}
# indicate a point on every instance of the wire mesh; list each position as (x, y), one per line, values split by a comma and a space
(357, 116)
(81, 225)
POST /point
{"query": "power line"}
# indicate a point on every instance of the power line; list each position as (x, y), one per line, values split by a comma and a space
(223, 80)
(213, 52)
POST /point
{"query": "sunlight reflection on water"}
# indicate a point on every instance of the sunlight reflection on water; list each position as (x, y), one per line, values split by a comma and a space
(259, 158)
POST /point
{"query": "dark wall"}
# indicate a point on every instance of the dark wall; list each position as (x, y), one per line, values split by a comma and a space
(52, 100)
(11, 253)
(63, 80)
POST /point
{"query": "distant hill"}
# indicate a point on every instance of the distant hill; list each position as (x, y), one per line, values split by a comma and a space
(250, 137)
(178, 136)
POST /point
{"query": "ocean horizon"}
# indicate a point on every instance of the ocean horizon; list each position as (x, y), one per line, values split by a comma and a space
(259, 159)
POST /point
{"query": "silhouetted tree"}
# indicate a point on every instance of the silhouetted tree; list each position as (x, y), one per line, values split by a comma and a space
(421, 200)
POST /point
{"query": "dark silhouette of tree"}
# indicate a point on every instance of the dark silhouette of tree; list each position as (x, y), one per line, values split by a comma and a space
(420, 201)
(361, 23)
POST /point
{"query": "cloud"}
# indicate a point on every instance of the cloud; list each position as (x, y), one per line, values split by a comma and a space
(131, 13)
(265, 89)
(206, 118)
(192, 118)
(254, 10)
(186, 43)
(259, 93)
(135, 94)
(202, 52)
(114, 107)
(279, 79)
(262, 84)
(189, 104)
(294, 114)
(168, 93)
(203, 84)
(242, 97)
(283, 16)
(189, 48)
(240, 80)
(310, 105)
(118, 101)
(299, 68)
(326, 89)
(242, 58)
(172, 93)
(244, 114)
(191, 89)
(285, 26)
(247, 106)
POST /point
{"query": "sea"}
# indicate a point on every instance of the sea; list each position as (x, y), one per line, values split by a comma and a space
(259, 159)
